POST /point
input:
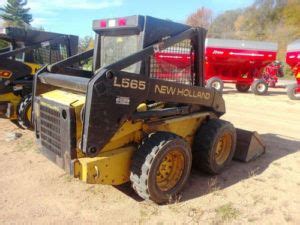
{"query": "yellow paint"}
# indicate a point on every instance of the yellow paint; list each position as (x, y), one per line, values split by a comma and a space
(298, 76)
(184, 126)
(65, 98)
(28, 113)
(69, 99)
(170, 170)
(14, 100)
(111, 167)
(34, 67)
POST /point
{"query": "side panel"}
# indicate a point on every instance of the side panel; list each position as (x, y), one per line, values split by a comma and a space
(56, 126)
(116, 96)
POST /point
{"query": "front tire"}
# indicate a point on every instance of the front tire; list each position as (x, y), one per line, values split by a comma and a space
(215, 83)
(259, 87)
(293, 92)
(24, 112)
(214, 146)
(161, 167)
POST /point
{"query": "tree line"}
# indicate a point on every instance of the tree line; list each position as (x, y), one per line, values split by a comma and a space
(264, 20)
(267, 20)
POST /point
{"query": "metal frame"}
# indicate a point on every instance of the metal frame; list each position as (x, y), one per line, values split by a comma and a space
(103, 114)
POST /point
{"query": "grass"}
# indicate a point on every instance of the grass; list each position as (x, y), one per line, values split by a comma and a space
(227, 212)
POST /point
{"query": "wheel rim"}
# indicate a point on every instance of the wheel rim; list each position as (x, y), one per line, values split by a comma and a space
(216, 85)
(170, 170)
(28, 114)
(223, 149)
(261, 88)
(297, 92)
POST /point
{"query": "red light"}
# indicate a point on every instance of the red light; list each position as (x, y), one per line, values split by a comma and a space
(122, 22)
(103, 23)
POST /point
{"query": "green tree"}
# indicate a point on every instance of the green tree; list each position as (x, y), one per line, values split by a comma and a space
(15, 13)
(223, 25)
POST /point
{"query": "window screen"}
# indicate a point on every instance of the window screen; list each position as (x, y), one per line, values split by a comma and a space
(50, 54)
(174, 63)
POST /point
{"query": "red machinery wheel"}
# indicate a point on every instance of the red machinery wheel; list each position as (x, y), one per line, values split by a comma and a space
(259, 87)
(293, 91)
(215, 83)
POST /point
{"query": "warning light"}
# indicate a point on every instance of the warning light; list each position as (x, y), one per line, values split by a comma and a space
(122, 22)
(103, 23)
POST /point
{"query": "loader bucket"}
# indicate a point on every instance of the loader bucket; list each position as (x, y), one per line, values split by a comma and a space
(249, 146)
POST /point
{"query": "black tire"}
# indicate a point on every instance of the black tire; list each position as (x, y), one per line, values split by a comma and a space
(215, 83)
(260, 87)
(291, 92)
(23, 110)
(147, 161)
(206, 145)
(242, 87)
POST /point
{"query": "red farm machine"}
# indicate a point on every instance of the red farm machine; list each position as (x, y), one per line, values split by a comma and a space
(293, 60)
(245, 63)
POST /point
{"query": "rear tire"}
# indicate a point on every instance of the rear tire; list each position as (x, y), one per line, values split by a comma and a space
(291, 92)
(242, 87)
(214, 146)
(259, 87)
(215, 83)
(24, 112)
(161, 167)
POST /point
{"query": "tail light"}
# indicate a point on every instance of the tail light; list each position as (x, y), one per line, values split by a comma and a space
(131, 22)
(103, 23)
(122, 22)
(5, 74)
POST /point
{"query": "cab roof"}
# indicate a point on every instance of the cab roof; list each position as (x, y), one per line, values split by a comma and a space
(14, 34)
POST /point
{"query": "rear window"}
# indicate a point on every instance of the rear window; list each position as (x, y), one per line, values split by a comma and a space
(50, 54)
(115, 48)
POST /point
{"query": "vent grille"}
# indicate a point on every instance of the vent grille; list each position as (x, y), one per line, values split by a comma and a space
(50, 130)
(174, 64)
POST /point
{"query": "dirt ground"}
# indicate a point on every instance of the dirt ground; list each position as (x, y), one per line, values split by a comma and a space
(265, 191)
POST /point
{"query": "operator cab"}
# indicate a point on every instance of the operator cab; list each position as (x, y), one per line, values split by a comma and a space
(119, 38)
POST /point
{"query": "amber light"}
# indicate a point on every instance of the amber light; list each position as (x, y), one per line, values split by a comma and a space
(5, 74)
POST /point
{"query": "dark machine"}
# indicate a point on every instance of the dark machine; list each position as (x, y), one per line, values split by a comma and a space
(27, 52)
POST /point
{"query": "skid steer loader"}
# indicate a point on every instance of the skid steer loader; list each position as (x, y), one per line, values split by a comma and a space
(28, 50)
(123, 122)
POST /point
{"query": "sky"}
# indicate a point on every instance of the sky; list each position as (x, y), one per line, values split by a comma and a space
(76, 16)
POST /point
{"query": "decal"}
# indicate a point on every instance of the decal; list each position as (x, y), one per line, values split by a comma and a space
(122, 100)
(185, 92)
(129, 83)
